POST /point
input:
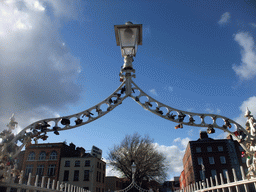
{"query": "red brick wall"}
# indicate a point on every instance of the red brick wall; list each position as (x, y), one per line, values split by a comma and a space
(48, 148)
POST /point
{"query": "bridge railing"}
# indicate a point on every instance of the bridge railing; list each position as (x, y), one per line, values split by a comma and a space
(209, 185)
(39, 185)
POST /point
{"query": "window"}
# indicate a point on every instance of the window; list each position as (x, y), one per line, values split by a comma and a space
(211, 160)
(209, 149)
(86, 188)
(103, 167)
(224, 173)
(100, 165)
(222, 160)
(213, 172)
(51, 170)
(66, 175)
(99, 176)
(87, 163)
(77, 163)
(200, 160)
(198, 149)
(29, 169)
(40, 170)
(31, 156)
(103, 177)
(42, 155)
(67, 163)
(201, 175)
(53, 155)
(86, 175)
(76, 175)
(220, 148)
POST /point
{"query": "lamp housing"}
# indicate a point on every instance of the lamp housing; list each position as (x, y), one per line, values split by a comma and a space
(133, 168)
(128, 37)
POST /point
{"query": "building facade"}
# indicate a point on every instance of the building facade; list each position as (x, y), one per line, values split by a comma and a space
(86, 171)
(113, 183)
(67, 163)
(44, 160)
(207, 157)
(182, 180)
(171, 186)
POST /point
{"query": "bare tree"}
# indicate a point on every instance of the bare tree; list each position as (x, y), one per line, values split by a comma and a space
(150, 164)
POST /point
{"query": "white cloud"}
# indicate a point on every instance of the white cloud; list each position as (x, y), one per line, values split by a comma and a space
(251, 104)
(183, 142)
(212, 111)
(170, 88)
(38, 73)
(247, 68)
(190, 132)
(174, 155)
(153, 91)
(111, 171)
(253, 25)
(224, 18)
(209, 110)
(189, 109)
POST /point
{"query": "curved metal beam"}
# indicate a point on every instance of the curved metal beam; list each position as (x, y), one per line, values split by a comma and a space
(39, 129)
(133, 184)
(191, 119)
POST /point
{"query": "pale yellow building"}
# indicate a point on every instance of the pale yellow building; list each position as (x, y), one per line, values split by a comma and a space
(86, 171)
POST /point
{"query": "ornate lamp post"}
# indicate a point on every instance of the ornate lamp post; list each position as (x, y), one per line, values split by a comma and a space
(133, 171)
(133, 183)
(128, 37)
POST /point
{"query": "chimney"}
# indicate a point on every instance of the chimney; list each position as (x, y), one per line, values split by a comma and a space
(81, 151)
(203, 135)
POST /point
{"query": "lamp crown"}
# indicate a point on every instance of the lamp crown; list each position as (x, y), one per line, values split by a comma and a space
(129, 23)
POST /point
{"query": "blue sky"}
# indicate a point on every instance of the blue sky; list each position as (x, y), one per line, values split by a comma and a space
(60, 57)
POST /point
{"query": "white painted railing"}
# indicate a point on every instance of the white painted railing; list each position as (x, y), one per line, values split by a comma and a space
(245, 184)
(42, 186)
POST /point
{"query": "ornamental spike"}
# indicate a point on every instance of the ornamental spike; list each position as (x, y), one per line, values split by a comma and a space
(247, 113)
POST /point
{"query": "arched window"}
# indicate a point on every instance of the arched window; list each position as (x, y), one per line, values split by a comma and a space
(31, 156)
(53, 155)
(42, 155)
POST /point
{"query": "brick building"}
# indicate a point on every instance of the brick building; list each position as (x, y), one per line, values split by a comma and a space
(208, 157)
(44, 159)
(182, 180)
(51, 160)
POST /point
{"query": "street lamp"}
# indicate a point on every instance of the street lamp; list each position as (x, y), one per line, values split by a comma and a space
(133, 171)
(128, 37)
(133, 183)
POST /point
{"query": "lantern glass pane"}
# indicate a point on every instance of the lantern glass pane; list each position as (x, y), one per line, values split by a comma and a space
(133, 169)
(128, 51)
(128, 38)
